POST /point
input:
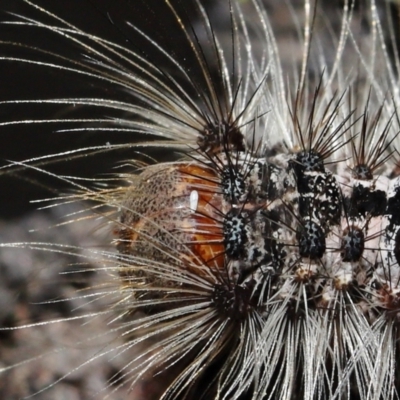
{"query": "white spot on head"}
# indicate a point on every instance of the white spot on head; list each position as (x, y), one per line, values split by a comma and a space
(194, 200)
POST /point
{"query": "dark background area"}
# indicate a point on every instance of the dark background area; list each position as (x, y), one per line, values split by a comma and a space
(21, 81)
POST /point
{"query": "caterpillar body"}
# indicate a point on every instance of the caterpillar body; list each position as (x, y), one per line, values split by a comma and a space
(261, 259)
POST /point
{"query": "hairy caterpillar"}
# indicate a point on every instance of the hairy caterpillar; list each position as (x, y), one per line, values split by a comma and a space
(260, 258)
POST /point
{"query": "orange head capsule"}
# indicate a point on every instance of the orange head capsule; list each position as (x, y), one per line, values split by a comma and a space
(172, 216)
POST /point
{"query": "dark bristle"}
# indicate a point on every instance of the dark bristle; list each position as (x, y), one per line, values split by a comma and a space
(219, 136)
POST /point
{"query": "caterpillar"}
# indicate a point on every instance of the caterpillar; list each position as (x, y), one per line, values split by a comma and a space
(251, 235)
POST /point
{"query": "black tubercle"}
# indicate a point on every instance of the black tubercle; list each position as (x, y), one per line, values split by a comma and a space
(235, 236)
(362, 172)
(218, 136)
(311, 239)
(353, 243)
(237, 302)
(249, 238)
(309, 161)
(233, 185)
